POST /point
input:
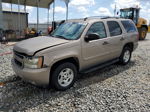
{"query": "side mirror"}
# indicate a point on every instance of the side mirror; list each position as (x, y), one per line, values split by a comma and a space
(92, 36)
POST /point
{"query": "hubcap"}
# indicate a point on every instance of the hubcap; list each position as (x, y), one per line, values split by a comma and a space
(126, 56)
(65, 77)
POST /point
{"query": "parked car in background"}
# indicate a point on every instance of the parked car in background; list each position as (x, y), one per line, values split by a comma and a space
(75, 46)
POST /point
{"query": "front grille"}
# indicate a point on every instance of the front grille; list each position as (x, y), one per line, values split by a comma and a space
(18, 63)
(17, 54)
(18, 57)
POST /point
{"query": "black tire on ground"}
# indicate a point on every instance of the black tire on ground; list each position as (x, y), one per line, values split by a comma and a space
(55, 76)
(122, 59)
(142, 33)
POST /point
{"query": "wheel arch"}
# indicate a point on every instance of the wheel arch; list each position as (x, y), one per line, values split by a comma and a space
(73, 60)
(130, 45)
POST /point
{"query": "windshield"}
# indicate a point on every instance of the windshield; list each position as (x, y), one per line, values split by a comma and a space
(69, 30)
(127, 14)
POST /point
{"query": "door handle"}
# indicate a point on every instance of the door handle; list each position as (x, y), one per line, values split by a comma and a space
(122, 38)
(105, 43)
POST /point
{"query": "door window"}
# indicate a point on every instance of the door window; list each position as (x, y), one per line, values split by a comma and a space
(98, 28)
(114, 28)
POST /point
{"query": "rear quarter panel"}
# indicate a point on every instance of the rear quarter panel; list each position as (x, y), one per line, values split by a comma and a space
(131, 37)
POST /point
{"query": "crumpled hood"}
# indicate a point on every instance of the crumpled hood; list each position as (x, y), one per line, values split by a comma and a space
(30, 46)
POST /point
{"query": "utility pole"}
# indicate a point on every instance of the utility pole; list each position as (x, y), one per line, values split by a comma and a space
(53, 23)
(37, 1)
(67, 4)
(67, 11)
(48, 16)
(115, 9)
(53, 10)
(19, 18)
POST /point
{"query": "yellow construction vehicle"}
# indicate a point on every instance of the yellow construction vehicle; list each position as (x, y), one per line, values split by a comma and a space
(149, 28)
(141, 23)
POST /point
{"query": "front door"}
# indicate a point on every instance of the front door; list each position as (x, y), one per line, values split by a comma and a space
(94, 51)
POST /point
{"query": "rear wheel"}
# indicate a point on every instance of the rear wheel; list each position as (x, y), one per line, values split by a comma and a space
(142, 32)
(125, 56)
(63, 76)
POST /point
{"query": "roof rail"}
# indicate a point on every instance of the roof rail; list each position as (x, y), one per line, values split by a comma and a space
(100, 17)
(94, 17)
(111, 17)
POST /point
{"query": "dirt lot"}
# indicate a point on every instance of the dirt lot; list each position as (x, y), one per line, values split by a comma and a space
(114, 88)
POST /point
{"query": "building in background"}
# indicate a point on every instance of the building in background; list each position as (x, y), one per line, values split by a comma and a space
(11, 22)
(14, 24)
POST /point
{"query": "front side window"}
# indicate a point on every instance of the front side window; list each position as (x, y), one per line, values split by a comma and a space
(98, 28)
(129, 26)
(69, 30)
(114, 28)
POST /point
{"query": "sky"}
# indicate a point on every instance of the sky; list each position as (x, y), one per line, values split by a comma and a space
(85, 8)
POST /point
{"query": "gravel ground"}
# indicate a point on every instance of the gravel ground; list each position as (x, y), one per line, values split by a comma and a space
(114, 88)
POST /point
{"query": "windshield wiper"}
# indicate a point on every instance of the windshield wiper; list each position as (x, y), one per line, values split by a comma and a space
(62, 37)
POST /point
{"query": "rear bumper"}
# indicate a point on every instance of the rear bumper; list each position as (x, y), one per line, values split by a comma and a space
(34, 76)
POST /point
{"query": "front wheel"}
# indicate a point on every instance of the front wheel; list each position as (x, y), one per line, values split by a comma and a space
(64, 76)
(125, 56)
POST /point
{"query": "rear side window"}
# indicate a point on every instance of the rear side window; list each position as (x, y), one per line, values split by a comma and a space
(129, 26)
(98, 28)
(114, 28)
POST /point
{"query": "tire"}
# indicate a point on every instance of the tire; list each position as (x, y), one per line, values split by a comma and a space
(63, 76)
(125, 56)
(142, 33)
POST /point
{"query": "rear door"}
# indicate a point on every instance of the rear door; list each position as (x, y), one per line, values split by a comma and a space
(115, 39)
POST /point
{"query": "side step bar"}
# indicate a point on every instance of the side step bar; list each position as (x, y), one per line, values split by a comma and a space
(100, 66)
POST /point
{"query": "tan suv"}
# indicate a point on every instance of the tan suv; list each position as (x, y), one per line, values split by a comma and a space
(76, 46)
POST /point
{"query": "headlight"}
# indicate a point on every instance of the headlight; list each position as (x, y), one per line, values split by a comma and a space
(33, 62)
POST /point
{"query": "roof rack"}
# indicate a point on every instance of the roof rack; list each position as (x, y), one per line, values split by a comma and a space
(100, 17)
(111, 17)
